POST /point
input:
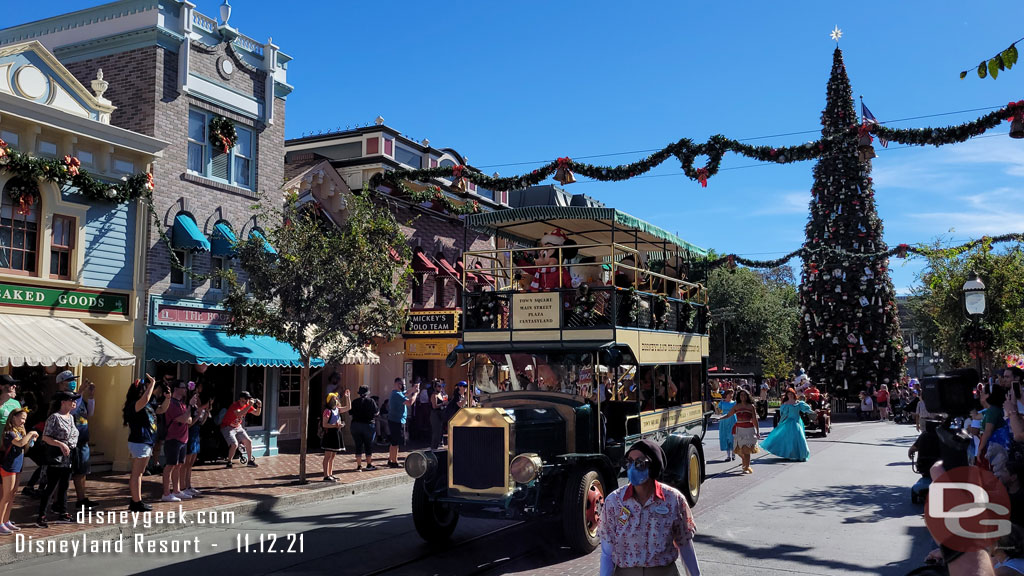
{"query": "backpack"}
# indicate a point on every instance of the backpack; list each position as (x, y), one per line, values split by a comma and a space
(320, 427)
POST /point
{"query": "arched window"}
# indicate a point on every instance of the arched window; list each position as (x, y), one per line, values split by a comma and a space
(19, 230)
(446, 163)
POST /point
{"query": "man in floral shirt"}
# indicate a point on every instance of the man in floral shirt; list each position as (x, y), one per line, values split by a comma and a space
(646, 525)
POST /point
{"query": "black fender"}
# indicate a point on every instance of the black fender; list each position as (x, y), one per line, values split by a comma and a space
(675, 454)
(609, 470)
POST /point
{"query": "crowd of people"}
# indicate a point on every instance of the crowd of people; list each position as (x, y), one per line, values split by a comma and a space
(996, 427)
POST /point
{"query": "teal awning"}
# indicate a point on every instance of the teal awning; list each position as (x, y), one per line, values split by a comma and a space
(186, 235)
(257, 235)
(222, 242)
(216, 348)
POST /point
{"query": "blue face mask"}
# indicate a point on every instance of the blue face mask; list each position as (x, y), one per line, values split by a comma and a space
(637, 477)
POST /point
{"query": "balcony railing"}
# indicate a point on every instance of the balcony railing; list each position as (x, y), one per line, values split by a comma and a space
(600, 292)
(204, 22)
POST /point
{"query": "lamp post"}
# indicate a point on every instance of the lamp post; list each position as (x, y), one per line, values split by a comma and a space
(974, 306)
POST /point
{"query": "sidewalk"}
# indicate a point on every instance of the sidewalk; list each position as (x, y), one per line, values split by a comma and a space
(241, 489)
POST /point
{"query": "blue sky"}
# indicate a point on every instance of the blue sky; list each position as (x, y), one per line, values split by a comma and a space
(513, 83)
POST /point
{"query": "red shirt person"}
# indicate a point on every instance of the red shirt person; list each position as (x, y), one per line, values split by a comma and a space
(232, 425)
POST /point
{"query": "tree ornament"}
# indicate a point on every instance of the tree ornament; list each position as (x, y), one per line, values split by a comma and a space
(1016, 119)
(222, 133)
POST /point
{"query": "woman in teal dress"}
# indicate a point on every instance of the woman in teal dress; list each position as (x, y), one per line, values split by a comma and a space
(725, 440)
(787, 440)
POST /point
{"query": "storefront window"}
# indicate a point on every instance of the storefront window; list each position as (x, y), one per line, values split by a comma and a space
(290, 385)
(18, 235)
(255, 383)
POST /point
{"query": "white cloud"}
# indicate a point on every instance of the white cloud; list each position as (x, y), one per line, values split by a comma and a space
(997, 211)
(787, 203)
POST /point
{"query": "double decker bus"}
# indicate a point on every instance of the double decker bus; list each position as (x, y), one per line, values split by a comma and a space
(588, 337)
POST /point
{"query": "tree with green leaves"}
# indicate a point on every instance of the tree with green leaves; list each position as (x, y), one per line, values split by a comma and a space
(937, 304)
(996, 64)
(850, 331)
(325, 289)
(763, 318)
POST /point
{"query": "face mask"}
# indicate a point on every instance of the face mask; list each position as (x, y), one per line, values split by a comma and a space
(72, 385)
(637, 477)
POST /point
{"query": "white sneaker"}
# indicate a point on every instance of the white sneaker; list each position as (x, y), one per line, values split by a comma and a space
(183, 495)
(170, 498)
(194, 493)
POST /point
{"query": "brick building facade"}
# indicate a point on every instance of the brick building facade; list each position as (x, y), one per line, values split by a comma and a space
(173, 70)
(437, 239)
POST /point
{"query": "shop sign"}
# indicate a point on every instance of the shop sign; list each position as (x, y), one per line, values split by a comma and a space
(188, 315)
(536, 311)
(429, 348)
(57, 299)
(432, 322)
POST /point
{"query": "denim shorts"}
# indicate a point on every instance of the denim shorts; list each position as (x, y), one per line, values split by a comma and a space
(140, 450)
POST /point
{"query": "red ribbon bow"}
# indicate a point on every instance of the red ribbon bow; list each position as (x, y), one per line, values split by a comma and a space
(73, 164)
(702, 177)
(227, 143)
(150, 183)
(563, 162)
(457, 171)
(1016, 110)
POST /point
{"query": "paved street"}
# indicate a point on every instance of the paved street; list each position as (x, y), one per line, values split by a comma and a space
(825, 516)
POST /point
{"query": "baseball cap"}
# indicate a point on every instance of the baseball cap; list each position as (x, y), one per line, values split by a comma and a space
(65, 376)
(245, 394)
(462, 384)
(7, 380)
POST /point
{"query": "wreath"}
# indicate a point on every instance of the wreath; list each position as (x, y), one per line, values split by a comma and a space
(23, 191)
(633, 306)
(222, 133)
(584, 310)
(686, 317)
(485, 310)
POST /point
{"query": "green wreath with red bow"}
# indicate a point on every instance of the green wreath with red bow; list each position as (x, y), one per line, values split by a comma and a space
(222, 133)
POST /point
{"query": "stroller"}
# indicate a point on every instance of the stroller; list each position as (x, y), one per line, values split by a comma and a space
(901, 412)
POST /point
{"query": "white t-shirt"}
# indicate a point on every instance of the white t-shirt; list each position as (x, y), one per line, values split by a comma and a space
(866, 404)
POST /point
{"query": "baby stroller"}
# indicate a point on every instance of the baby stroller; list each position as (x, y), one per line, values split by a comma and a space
(900, 413)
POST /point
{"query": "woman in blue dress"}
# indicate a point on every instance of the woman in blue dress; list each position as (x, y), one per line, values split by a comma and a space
(725, 440)
(787, 440)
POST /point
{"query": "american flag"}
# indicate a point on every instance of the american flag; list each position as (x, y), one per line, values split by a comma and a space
(869, 117)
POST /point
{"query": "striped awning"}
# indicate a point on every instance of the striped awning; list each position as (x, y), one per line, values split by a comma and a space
(44, 341)
(588, 225)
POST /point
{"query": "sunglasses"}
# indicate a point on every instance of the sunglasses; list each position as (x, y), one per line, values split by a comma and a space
(640, 464)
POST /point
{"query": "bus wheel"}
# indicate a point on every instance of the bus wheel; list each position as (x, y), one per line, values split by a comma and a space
(691, 484)
(434, 521)
(581, 509)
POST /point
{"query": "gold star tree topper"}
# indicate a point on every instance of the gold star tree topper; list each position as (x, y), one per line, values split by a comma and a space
(836, 34)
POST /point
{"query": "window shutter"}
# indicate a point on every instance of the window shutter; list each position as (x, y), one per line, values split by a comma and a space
(219, 164)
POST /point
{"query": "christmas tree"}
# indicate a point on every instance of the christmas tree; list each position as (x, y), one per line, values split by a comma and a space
(849, 322)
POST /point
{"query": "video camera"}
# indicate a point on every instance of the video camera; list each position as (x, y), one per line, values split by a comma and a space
(951, 394)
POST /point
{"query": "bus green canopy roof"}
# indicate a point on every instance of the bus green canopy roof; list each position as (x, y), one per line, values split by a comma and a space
(586, 225)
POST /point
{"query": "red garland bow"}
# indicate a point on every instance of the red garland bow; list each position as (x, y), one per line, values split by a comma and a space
(563, 161)
(1016, 110)
(865, 130)
(73, 165)
(901, 251)
(3, 148)
(227, 143)
(457, 171)
(25, 202)
(702, 177)
(150, 183)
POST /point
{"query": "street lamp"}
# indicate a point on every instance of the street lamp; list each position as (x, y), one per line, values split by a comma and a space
(974, 305)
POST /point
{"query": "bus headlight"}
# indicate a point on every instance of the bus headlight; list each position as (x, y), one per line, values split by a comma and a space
(525, 468)
(420, 463)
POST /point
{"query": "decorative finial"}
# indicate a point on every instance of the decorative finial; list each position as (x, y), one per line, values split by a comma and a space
(225, 13)
(99, 85)
(426, 143)
(836, 34)
(379, 121)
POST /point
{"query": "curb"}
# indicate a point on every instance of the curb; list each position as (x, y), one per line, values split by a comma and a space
(9, 555)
